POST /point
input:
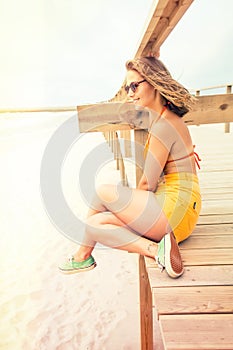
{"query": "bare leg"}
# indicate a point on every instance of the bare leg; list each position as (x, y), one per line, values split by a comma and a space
(120, 217)
(107, 229)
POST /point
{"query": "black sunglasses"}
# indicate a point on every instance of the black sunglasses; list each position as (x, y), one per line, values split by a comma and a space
(133, 86)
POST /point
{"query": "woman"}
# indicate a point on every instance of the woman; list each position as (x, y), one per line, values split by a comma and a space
(162, 211)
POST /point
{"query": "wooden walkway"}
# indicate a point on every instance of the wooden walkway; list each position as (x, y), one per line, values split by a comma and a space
(195, 311)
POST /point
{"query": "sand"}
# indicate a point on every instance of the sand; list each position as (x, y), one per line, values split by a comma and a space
(40, 308)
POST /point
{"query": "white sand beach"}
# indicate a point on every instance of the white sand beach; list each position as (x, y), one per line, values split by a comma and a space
(40, 308)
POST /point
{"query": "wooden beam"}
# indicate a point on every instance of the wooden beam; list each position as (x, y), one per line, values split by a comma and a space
(112, 116)
(211, 109)
(123, 116)
(164, 16)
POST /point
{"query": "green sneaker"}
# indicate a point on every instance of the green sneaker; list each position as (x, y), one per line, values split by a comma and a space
(72, 266)
(169, 257)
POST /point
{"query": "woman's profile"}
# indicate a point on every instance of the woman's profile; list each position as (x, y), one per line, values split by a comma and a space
(163, 210)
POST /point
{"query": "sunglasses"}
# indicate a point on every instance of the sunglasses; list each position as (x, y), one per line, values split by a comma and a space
(133, 86)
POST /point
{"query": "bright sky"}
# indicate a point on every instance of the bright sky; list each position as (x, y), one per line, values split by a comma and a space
(70, 52)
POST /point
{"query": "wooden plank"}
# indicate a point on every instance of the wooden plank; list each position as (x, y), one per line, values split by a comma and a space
(192, 257)
(215, 196)
(213, 229)
(214, 241)
(193, 300)
(227, 184)
(146, 317)
(210, 165)
(204, 175)
(192, 332)
(119, 116)
(111, 116)
(215, 219)
(217, 207)
(216, 193)
(193, 276)
(211, 109)
(209, 182)
(164, 16)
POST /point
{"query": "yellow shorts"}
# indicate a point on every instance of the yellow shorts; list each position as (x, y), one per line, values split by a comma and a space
(180, 199)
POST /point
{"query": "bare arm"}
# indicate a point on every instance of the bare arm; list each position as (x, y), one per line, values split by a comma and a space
(155, 161)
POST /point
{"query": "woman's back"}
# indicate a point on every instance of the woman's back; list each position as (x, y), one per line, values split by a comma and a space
(173, 133)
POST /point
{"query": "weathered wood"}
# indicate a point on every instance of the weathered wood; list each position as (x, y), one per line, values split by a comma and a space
(215, 219)
(215, 241)
(140, 137)
(207, 256)
(126, 135)
(211, 109)
(112, 116)
(193, 300)
(221, 207)
(164, 16)
(224, 194)
(227, 125)
(203, 257)
(193, 276)
(192, 332)
(213, 177)
(213, 229)
(120, 161)
(123, 116)
(145, 308)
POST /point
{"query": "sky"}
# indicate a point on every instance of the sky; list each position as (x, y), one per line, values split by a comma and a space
(70, 52)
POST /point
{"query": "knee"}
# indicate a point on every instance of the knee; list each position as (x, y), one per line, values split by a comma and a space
(95, 222)
(95, 225)
(106, 193)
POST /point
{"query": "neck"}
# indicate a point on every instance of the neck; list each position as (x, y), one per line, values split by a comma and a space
(162, 111)
(155, 119)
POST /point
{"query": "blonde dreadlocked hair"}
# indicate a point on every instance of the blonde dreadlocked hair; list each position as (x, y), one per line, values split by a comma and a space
(177, 98)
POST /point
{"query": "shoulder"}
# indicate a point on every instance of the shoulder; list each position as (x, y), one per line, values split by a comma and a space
(164, 127)
(164, 131)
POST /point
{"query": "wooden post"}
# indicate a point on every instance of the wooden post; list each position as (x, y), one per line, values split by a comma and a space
(227, 125)
(140, 137)
(120, 162)
(126, 135)
(146, 314)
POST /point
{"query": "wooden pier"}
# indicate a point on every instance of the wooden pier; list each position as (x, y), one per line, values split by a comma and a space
(196, 310)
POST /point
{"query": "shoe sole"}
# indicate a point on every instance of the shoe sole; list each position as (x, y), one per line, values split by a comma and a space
(168, 264)
(70, 272)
